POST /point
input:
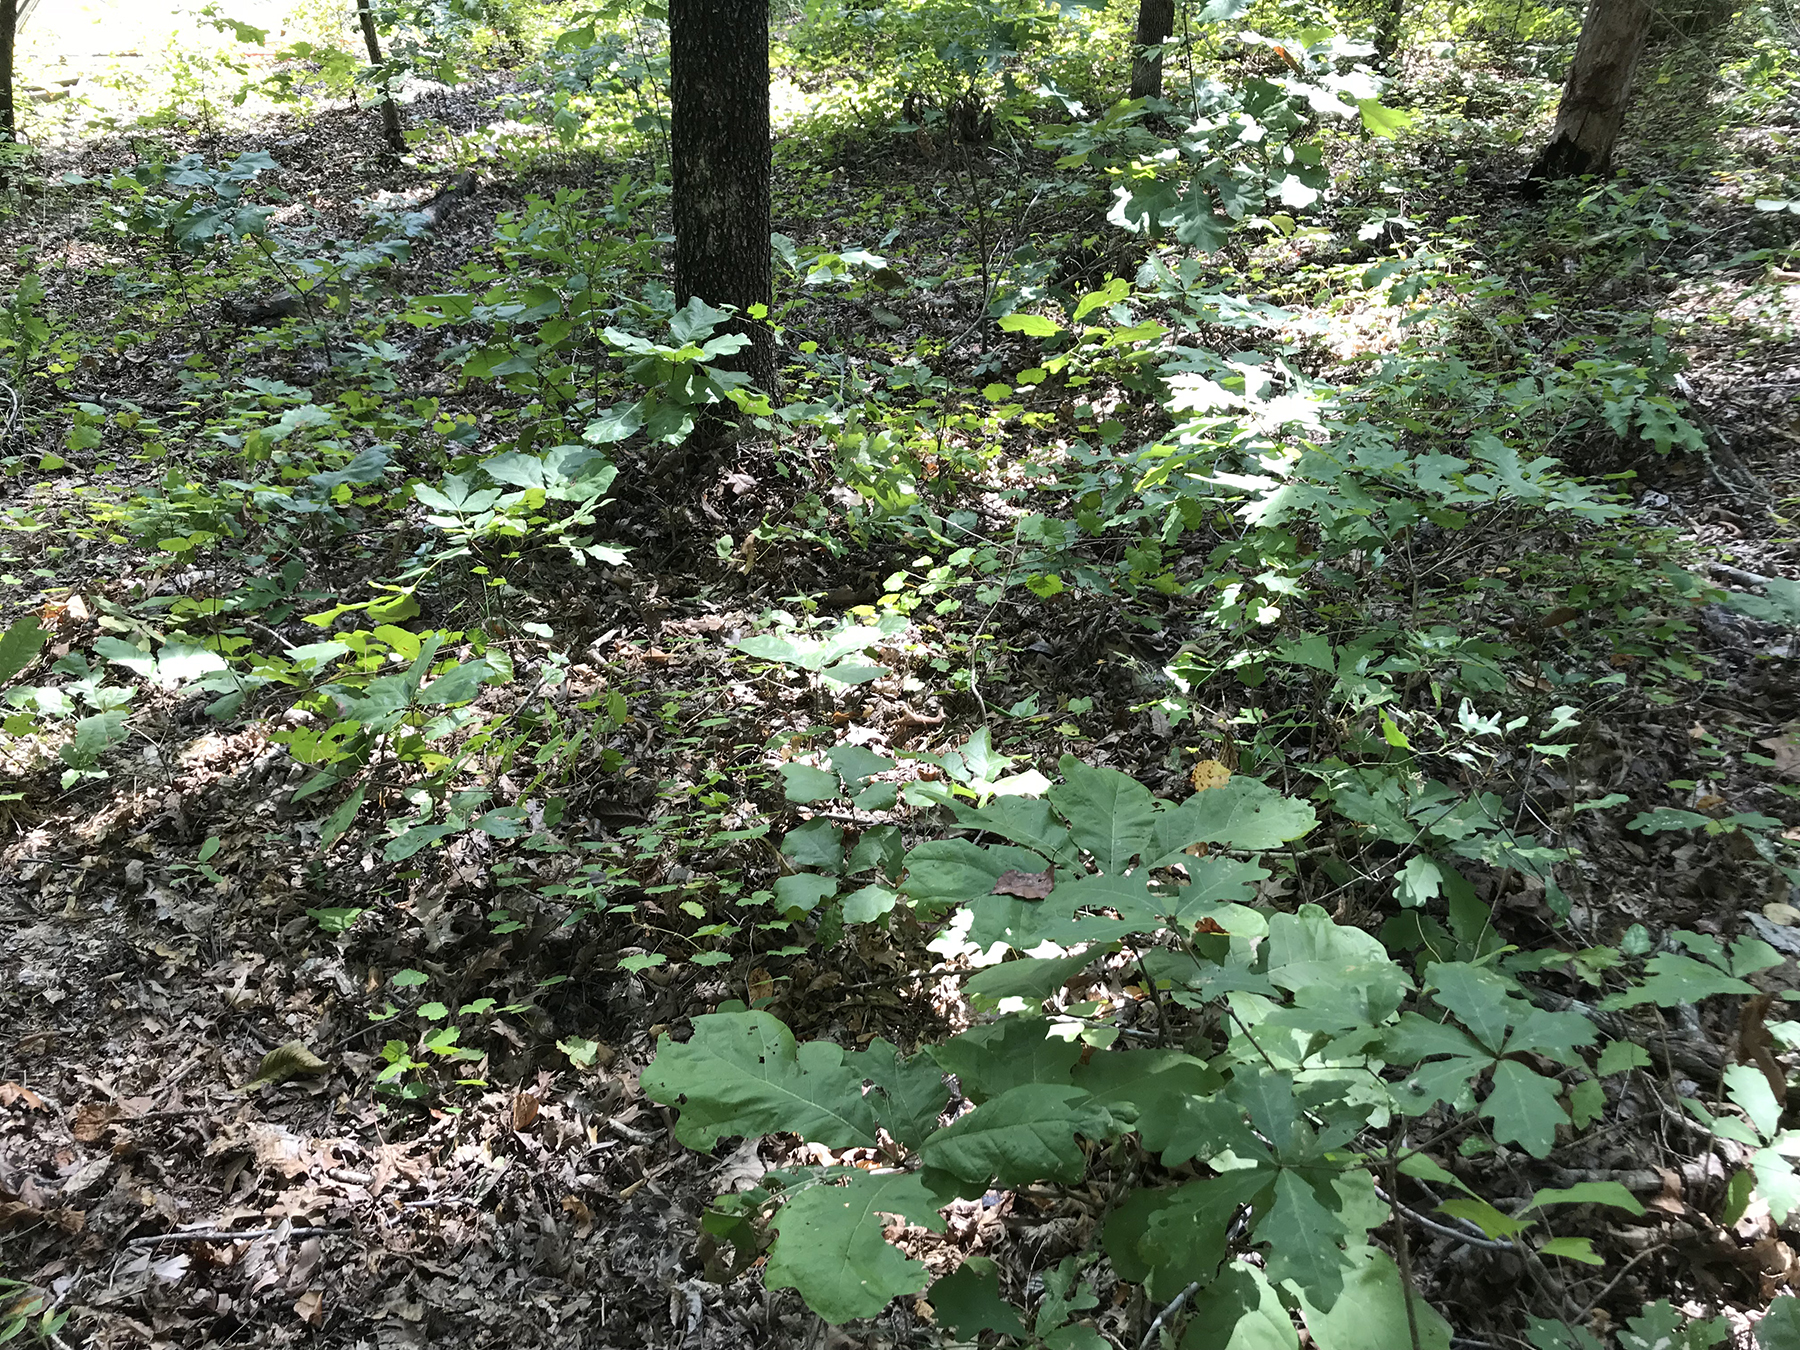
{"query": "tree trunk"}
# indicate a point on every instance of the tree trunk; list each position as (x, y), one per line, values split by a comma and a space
(1155, 24)
(1599, 87)
(719, 153)
(9, 28)
(390, 111)
(1387, 32)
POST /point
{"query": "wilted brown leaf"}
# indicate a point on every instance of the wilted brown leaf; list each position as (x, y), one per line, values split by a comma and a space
(762, 985)
(1209, 773)
(18, 1092)
(1025, 885)
(310, 1307)
(524, 1112)
(92, 1120)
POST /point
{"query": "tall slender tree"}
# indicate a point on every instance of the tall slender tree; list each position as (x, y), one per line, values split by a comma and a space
(1598, 90)
(9, 31)
(390, 111)
(719, 151)
(1155, 25)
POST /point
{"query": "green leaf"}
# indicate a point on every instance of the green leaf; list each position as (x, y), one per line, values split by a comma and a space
(949, 871)
(803, 891)
(741, 1074)
(1239, 1311)
(868, 904)
(19, 646)
(339, 820)
(1750, 1090)
(1378, 120)
(1589, 1193)
(1032, 325)
(968, 1300)
(1304, 1236)
(1028, 978)
(1573, 1249)
(857, 764)
(1484, 1216)
(401, 848)
(458, 685)
(1418, 882)
(911, 1093)
(1244, 813)
(1186, 1236)
(832, 1249)
(806, 783)
(1672, 979)
(1587, 1103)
(1025, 1134)
(1480, 999)
(989, 1060)
(1524, 1108)
(1109, 814)
(1371, 1311)
(815, 843)
(1780, 1325)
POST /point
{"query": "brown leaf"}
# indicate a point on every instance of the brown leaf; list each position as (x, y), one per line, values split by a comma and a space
(18, 1092)
(1209, 927)
(762, 985)
(1209, 773)
(1025, 885)
(1786, 751)
(524, 1112)
(310, 1307)
(92, 1120)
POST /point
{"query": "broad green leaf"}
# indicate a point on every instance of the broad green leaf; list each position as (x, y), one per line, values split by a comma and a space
(457, 685)
(911, 1093)
(1555, 1035)
(1417, 883)
(1026, 1134)
(868, 903)
(1589, 1193)
(1485, 1217)
(1479, 998)
(831, 1246)
(403, 847)
(1185, 1238)
(1750, 1090)
(19, 646)
(1239, 1311)
(741, 1074)
(1024, 820)
(806, 783)
(1244, 813)
(1109, 814)
(856, 764)
(1305, 1237)
(815, 843)
(948, 871)
(1780, 1325)
(122, 653)
(989, 1060)
(1776, 1181)
(1673, 979)
(1307, 949)
(1621, 1057)
(1414, 1038)
(339, 820)
(803, 891)
(1370, 1312)
(1032, 325)
(1573, 1249)
(1028, 977)
(968, 1301)
(1379, 120)
(1524, 1108)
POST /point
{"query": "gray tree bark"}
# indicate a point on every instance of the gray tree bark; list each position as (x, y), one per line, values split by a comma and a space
(1598, 90)
(719, 153)
(390, 111)
(9, 28)
(1155, 25)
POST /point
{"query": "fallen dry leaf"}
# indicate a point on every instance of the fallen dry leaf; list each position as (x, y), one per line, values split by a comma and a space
(762, 985)
(92, 1119)
(1025, 885)
(524, 1112)
(18, 1092)
(1209, 773)
(310, 1307)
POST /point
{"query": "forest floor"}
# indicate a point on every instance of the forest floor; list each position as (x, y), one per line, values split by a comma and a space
(551, 1206)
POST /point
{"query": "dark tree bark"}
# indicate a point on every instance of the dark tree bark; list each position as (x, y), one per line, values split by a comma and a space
(1155, 24)
(1598, 89)
(9, 28)
(719, 153)
(390, 111)
(1387, 32)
